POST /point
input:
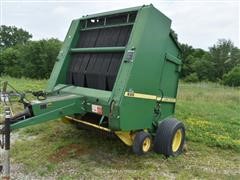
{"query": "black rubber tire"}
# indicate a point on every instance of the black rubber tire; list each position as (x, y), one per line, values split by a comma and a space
(164, 137)
(138, 141)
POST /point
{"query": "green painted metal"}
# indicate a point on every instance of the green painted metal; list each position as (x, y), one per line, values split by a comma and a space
(106, 26)
(51, 109)
(120, 11)
(152, 71)
(103, 96)
(99, 50)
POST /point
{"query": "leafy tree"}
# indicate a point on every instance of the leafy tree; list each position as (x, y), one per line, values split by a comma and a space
(191, 59)
(187, 60)
(212, 65)
(203, 67)
(192, 78)
(186, 50)
(1, 63)
(174, 34)
(224, 57)
(11, 36)
(10, 61)
(187, 66)
(232, 78)
(38, 58)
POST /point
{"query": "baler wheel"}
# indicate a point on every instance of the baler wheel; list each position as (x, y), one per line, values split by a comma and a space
(142, 143)
(170, 137)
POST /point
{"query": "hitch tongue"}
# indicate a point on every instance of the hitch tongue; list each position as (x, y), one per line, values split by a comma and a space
(5, 145)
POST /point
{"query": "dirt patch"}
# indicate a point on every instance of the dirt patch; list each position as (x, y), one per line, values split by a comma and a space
(69, 151)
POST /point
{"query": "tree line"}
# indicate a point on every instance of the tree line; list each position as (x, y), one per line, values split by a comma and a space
(220, 64)
(22, 57)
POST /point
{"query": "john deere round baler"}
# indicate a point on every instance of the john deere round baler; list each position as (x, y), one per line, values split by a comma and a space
(118, 72)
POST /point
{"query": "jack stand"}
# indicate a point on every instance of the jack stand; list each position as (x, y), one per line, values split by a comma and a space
(6, 145)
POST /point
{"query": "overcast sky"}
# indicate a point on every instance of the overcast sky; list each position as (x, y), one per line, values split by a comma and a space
(198, 23)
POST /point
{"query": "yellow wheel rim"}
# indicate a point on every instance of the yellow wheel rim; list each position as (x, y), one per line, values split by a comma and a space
(146, 144)
(177, 139)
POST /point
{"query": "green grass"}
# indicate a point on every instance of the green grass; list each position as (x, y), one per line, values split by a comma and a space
(211, 114)
(60, 149)
(25, 84)
(209, 111)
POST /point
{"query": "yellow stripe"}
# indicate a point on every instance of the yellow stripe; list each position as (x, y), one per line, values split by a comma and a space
(148, 96)
(89, 124)
(171, 100)
(142, 96)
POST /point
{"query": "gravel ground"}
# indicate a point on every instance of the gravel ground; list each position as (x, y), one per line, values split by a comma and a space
(17, 173)
(17, 170)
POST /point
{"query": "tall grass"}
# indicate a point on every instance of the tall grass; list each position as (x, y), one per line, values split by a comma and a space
(25, 84)
(211, 113)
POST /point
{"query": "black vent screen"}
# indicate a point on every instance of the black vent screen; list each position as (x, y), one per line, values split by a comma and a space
(95, 70)
(107, 37)
(99, 70)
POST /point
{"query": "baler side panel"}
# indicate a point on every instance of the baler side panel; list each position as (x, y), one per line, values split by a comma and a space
(171, 70)
(173, 48)
(169, 85)
(153, 28)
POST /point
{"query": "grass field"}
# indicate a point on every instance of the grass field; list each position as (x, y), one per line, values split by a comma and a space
(210, 112)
